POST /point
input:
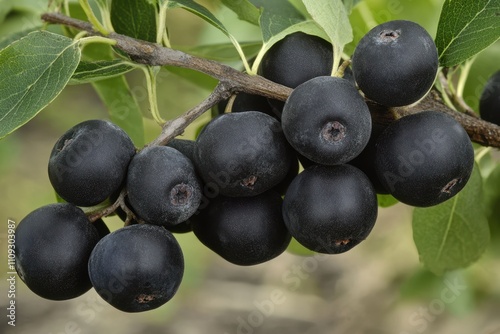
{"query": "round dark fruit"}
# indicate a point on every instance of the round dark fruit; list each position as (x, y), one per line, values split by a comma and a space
(330, 209)
(326, 120)
(424, 159)
(185, 146)
(137, 268)
(489, 104)
(248, 102)
(365, 161)
(395, 63)
(53, 246)
(244, 231)
(163, 188)
(295, 59)
(243, 154)
(102, 228)
(89, 162)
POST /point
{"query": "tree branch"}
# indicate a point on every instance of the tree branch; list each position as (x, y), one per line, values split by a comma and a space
(232, 81)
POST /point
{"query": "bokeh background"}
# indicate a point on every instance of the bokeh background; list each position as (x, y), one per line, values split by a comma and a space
(377, 287)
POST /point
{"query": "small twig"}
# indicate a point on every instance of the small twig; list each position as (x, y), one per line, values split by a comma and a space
(175, 127)
(94, 216)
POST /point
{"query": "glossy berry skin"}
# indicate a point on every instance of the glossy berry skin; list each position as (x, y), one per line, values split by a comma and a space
(243, 154)
(248, 102)
(163, 188)
(365, 161)
(185, 146)
(89, 162)
(244, 231)
(424, 159)
(137, 268)
(330, 209)
(489, 103)
(395, 63)
(53, 246)
(326, 120)
(296, 58)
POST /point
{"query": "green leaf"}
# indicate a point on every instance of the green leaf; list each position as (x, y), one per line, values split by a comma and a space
(134, 18)
(331, 15)
(122, 107)
(455, 233)
(385, 201)
(277, 16)
(466, 28)
(246, 10)
(200, 11)
(16, 36)
(99, 70)
(223, 52)
(33, 71)
(492, 199)
(296, 248)
(350, 4)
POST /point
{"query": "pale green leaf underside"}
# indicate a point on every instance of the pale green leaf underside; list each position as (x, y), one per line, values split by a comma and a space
(455, 233)
(466, 28)
(94, 71)
(33, 71)
(331, 15)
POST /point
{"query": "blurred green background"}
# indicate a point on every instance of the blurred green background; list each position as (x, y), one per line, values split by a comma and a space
(378, 287)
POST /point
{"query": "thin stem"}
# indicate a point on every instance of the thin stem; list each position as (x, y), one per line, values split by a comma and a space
(242, 54)
(464, 73)
(105, 15)
(337, 57)
(92, 18)
(161, 35)
(150, 73)
(94, 216)
(481, 153)
(341, 70)
(96, 39)
(175, 127)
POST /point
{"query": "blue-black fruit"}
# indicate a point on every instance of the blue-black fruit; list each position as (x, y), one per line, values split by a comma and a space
(296, 58)
(395, 63)
(365, 161)
(424, 159)
(248, 102)
(330, 209)
(489, 103)
(89, 162)
(163, 188)
(137, 268)
(243, 154)
(244, 231)
(53, 246)
(326, 120)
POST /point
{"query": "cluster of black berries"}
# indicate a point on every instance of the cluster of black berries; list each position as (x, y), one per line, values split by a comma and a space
(238, 186)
